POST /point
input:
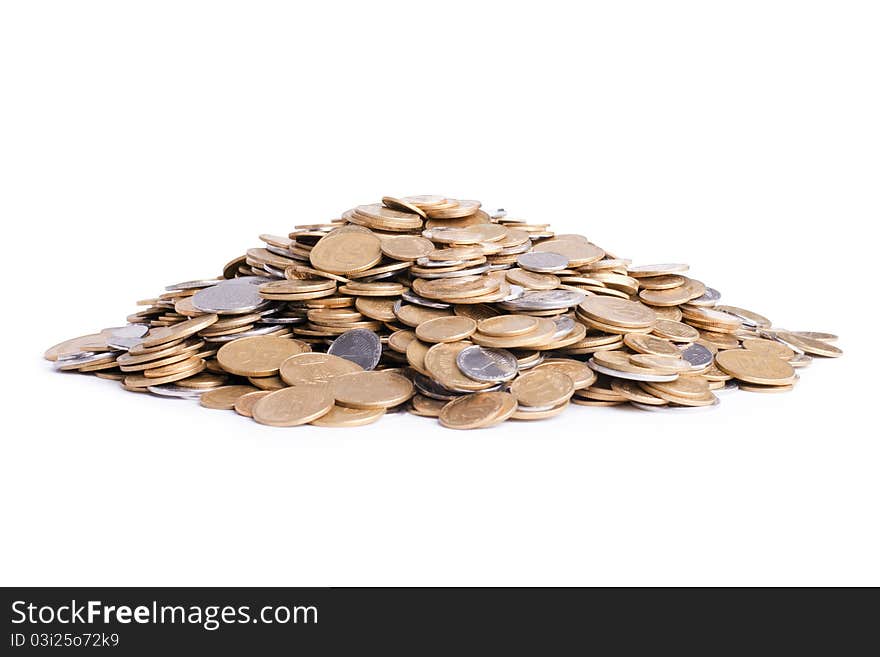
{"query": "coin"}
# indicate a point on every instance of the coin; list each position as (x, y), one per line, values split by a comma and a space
(580, 374)
(228, 299)
(342, 416)
(179, 331)
(224, 398)
(649, 344)
(478, 411)
(542, 262)
(542, 387)
(290, 407)
(755, 367)
(258, 356)
(359, 346)
(406, 247)
(487, 365)
(502, 326)
(697, 355)
(617, 312)
(810, 345)
(305, 368)
(346, 252)
(371, 390)
(244, 405)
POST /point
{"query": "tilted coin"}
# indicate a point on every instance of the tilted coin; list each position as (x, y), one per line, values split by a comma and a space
(768, 348)
(371, 390)
(304, 368)
(228, 299)
(258, 356)
(244, 405)
(446, 329)
(360, 346)
(810, 345)
(507, 325)
(343, 416)
(224, 398)
(346, 252)
(478, 411)
(487, 365)
(755, 367)
(697, 355)
(618, 312)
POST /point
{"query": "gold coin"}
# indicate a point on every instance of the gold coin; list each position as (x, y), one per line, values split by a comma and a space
(260, 355)
(645, 271)
(426, 406)
(402, 206)
(816, 335)
(267, 382)
(399, 340)
(649, 344)
(755, 367)
(180, 331)
(543, 333)
(446, 329)
(753, 317)
(205, 380)
(581, 375)
(531, 280)
(346, 252)
(140, 381)
(810, 345)
(669, 297)
(720, 340)
(291, 407)
(173, 368)
(578, 252)
(377, 389)
(617, 312)
(505, 326)
(342, 416)
(634, 392)
(752, 387)
(244, 405)
(478, 411)
(416, 351)
(407, 247)
(768, 348)
(661, 364)
(675, 331)
(664, 282)
(413, 315)
(542, 387)
(224, 398)
(309, 367)
(378, 309)
(461, 287)
(72, 346)
(523, 413)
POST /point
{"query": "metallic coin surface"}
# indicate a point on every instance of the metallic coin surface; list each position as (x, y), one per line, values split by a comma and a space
(478, 411)
(260, 355)
(305, 368)
(360, 346)
(487, 365)
(542, 387)
(755, 367)
(291, 407)
(446, 329)
(542, 262)
(223, 398)
(371, 390)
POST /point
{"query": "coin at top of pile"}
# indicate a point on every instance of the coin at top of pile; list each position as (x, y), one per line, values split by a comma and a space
(260, 355)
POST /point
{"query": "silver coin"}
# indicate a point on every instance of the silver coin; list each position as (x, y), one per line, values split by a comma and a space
(546, 300)
(282, 320)
(473, 271)
(284, 253)
(675, 408)
(178, 392)
(500, 386)
(542, 262)
(82, 360)
(130, 331)
(74, 356)
(258, 330)
(516, 291)
(709, 298)
(274, 271)
(564, 326)
(487, 365)
(632, 376)
(500, 213)
(427, 262)
(243, 280)
(360, 346)
(123, 344)
(378, 277)
(499, 267)
(229, 299)
(414, 298)
(697, 355)
(192, 285)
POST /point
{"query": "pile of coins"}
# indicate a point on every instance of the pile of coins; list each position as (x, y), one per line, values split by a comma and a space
(431, 305)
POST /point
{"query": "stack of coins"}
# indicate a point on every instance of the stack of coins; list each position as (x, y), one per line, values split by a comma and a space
(430, 305)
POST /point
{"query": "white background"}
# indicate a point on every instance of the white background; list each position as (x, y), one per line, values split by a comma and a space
(147, 143)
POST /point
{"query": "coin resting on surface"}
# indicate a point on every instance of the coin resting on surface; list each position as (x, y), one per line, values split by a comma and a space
(431, 305)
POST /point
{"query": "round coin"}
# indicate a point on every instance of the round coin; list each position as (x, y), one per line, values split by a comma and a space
(371, 390)
(290, 407)
(478, 411)
(260, 355)
(755, 367)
